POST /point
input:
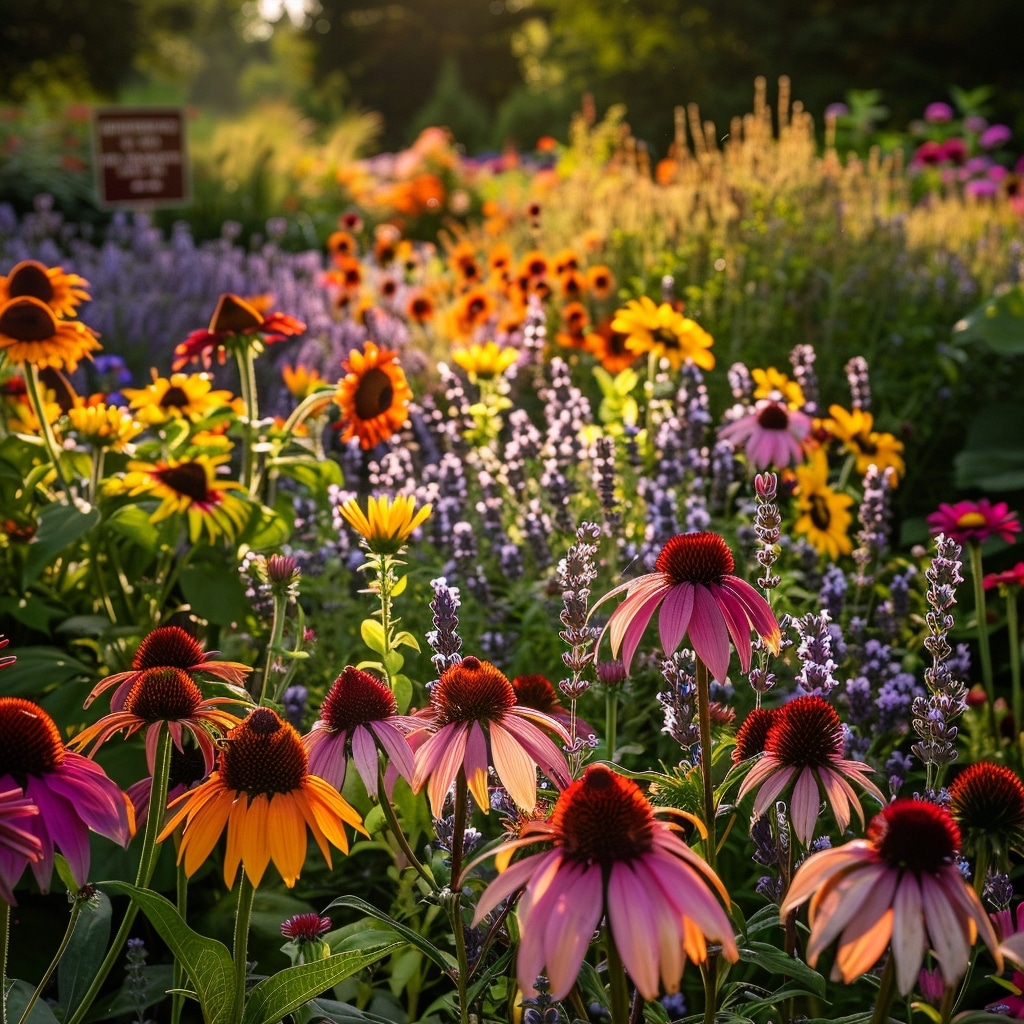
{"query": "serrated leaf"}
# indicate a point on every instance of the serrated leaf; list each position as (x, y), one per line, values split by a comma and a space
(277, 996)
(372, 633)
(85, 951)
(207, 962)
(59, 527)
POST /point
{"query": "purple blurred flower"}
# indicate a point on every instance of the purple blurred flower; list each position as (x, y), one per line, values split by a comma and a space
(938, 113)
(994, 136)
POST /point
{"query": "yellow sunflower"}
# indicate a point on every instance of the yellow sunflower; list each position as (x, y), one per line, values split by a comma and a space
(61, 292)
(484, 361)
(31, 333)
(189, 487)
(389, 523)
(104, 426)
(373, 396)
(772, 381)
(187, 396)
(871, 447)
(261, 792)
(824, 514)
(664, 331)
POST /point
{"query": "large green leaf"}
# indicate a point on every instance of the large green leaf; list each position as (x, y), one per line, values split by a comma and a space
(214, 594)
(59, 527)
(85, 951)
(997, 323)
(132, 522)
(207, 962)
(278, 995)
(17, 999)
(40, 668)
(777, 961)
(992, 458)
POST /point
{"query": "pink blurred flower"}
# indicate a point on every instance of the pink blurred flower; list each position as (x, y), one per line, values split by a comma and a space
(1012, 1004)
(14, 839)
(995, 135)
(1008, 578)
(771, 435)
(938, 113)
(613, 858)
(928, 153)
(954, 150)
(974, 522)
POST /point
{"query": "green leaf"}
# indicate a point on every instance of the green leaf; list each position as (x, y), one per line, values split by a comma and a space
(343, 1013)
(401, 687)
(39, 669)
(17, 999)
(266, 529)
(85, 951)
(207, 962)
(59, 527)
(372, 633)
(997, 323)
(992, 458)
(132, 522)
(406, 639)
(214, 594)
(277, 996)
(445, 961)
(776, 961)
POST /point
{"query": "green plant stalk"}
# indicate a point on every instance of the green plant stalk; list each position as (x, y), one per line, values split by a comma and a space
(706, 768)
(144, 874)
(981, 864)
(984, 652)
(5, 940)
(709, 975)
(181, 901)
(611, 718)
(31, 375)
(382, 566)
(276, 633)
(1013, 629)
(240, 946)
(458, 931)
(618, 989)
(886, 991)
(305, 408)
(247, 385)
(396, 830)
(96, 475)
(76, 910)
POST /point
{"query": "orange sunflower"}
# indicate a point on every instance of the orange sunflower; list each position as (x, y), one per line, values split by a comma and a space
(31, 333)
(263, 794)
(373, 396)
(61, 292)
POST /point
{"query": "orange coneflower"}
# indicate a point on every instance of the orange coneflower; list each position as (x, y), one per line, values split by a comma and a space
(341, 244)
(572, 284)
(600, 281)
(533, 265)
(262, 794)
(610, 348)
(464, 263)
(420, 307)
(62, 292)
(576, 321)
(565, 261)
(30, 332)
(373, 396)
(472, 309)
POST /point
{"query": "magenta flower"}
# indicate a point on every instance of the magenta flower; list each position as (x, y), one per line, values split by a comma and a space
(358, 717)
(14, 839)
(995, 135)
(611, 858)
(772, 435)
(699, 596)
(72, 793)
(938, 113)
(974, 522)
(305, 927)
(1011, 1004)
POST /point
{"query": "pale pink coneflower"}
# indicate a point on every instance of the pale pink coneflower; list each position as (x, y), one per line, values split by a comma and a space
(899, 889)
(611, 858)
(694, 585)
(803, 756)
(358, 717)
(771, 435)
(473, 721)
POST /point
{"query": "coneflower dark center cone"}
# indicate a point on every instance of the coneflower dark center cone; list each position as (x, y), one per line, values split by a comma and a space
(374, 394)
(696, 558)
(806, 733)
(30, 742)
(915, 835)
(988, 799)
(750, 739)
(168, 647)
(535, 691)
(773, 417)
(470, 691)
(174, 398)
(356, 698)
(603, 819)
(263, 755)
(163, 695)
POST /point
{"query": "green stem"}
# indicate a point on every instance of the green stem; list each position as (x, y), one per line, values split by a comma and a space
(144, 874)
(76, 910)
(948, 1001)
(981, 869)
(458, 930)
(611, 718)
(1013, 629)
(240, 948)
(618, 995)
(984, 652)
(305, 408)
(45, 429)
(5, 939)
(709, 974)
(276, 633)
(704, 714)
(177, 998)
(96, 475)
(247, 385)
(398, 832)
(886, 991)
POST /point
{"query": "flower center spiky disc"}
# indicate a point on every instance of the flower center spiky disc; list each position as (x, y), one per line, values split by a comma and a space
(471, 691)
(915, 835)
(695, 558)
(753, 732)
(374, 395)
(188, 479)
(806, 733)
(773, 417)
(168, 647)
(175, 398)
(987, 800)
(603, 819)
(536, 692)
(30, 742)
(163, 695)
(263, 755)
(356, 698)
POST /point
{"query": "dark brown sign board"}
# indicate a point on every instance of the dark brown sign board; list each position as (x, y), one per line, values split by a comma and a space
(140, 156)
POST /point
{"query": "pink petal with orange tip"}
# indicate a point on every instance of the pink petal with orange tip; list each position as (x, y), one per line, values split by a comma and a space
(674, 617)
(709, 635)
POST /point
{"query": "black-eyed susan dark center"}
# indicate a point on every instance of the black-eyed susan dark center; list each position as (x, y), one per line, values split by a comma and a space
(263, 755)
(188, 479)
(536, 691)
(30, 742)
(356, 698)
(374, 395)
(174, 398)
(234, 316)
(696, 558)
(163, 695)
(603, 819)
(987, 800)
(666, 338)
(753, 732)
(30, 278)
(773, 417)
(27, 319)
(821, 514)
(806, 733)
(472, 691)
(168, 647)
(915, 835)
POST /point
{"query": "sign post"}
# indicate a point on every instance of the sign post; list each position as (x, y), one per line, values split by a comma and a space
(140, 157)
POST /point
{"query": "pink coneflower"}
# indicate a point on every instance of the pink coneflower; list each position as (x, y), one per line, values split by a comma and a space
(772, 435)
(159, 698)
(1010, 578)
(974, 522)
(803, 746)
(73, 794)
(305, 927)
(474, 721)
(170, 647)
(899, 889)
(611, 857)
(14, 839)
(358, 717)
(698, 594)
(987, 803)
